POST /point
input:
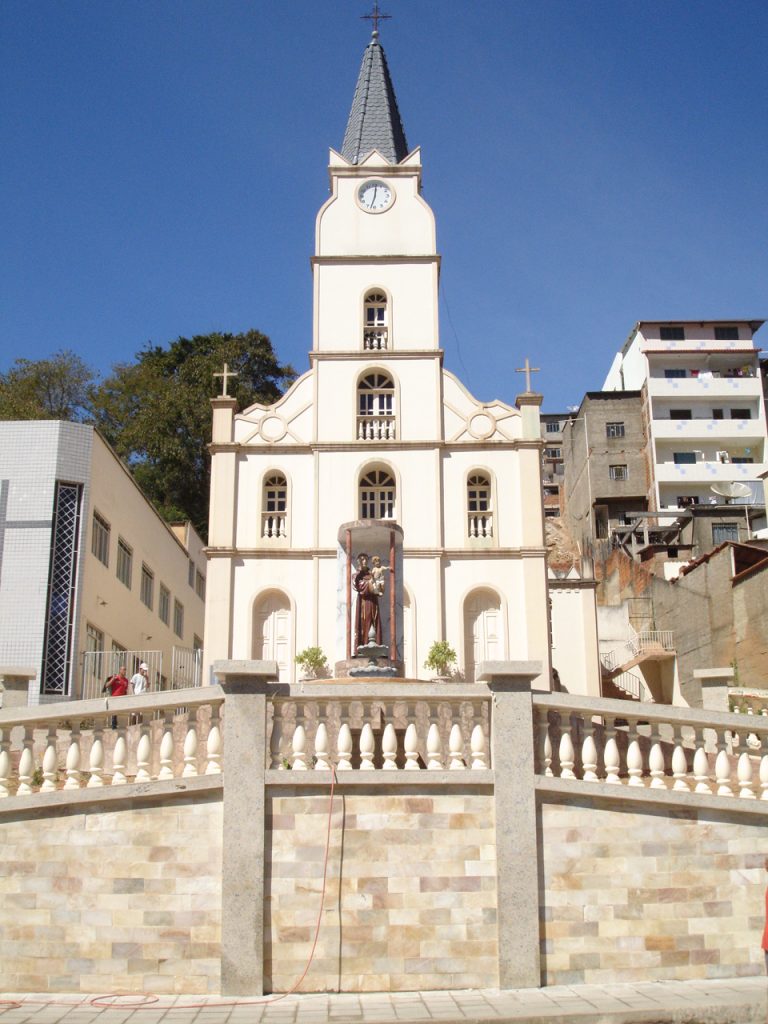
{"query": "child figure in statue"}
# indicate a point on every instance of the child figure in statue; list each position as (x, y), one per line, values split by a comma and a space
(378, 572)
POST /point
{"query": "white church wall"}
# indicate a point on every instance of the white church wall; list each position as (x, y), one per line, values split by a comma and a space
(287, 422)
(412, 322)
(253, 469)
(574, 638)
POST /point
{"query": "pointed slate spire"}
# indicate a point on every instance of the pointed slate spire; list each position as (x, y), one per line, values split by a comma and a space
(374, 120)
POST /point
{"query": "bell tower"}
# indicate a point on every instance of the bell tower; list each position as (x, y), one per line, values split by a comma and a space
(375, 266)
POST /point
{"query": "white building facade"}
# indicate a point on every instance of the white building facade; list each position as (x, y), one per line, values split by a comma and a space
(378, 431)
(704, 410)
(89, 572)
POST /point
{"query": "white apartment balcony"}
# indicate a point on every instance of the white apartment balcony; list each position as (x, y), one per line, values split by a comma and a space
(705, 386)
(701, 429)
(708, 472)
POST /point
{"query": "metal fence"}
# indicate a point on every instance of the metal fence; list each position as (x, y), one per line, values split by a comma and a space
(99, 666)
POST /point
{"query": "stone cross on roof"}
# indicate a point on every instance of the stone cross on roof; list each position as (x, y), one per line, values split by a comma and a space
(528, 370)
(225, 375)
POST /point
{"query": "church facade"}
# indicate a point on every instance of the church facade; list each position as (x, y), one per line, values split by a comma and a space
(378, 432)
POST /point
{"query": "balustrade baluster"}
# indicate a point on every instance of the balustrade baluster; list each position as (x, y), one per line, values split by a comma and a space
(634, 756)
(411, 744)
(744, 776)
(119, 755)
(213, 743)
(656, 764)
(299, 749)
(322, 754)
(367, 748)
(456, 748)
(764, 774)
(434, 751)
(96, 757)
(26, 764)
(611, 756)
(73, 761)
(166, 747)
(679, 764)
(479, 748)
(701, 765)
(589, 752)
(276, 739)
(143, 754)
(545, 743)
(723, 770)
(389, 747)
(567, 753)
(50, 762)
(190, 745)
(5, 764)
(344, 745)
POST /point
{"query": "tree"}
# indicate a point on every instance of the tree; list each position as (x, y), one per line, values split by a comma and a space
(59, 388)
(157, 415)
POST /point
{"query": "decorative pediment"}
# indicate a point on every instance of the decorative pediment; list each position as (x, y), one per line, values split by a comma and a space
(467, 420)
(287, 421)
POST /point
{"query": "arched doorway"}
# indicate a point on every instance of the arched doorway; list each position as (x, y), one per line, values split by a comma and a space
(483, 631)
(272, 632)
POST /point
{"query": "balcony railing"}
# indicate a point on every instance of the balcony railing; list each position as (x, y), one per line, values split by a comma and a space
(375, 339)
(274, 525)
(99, 666)
(376, 428)
(480, 524)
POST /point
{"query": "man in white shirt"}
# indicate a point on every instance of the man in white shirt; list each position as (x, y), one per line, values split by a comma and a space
(140, 681)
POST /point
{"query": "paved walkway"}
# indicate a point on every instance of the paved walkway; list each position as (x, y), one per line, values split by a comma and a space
(735, 1001)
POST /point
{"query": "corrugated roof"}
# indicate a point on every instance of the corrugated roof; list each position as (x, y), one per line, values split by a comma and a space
(374, 120)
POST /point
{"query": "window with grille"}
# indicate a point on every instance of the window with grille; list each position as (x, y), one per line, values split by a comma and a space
(274, 515)
(124, 562)
(375, 408)
(479, 516)
(164, 605)
(100, 538)
(147, 586)
(672, 333)
(614, 429)
(553, 453)
(375, 321)
(191, 574)
(178, 618)
(617, 472)
(58, 648)
(377, 495)
(553, 426)
(726, 333)
(724, 531)
(200, 585)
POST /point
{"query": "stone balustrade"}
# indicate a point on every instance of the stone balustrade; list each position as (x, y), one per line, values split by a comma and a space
(400, 728)
(680, 750)
(91, 744)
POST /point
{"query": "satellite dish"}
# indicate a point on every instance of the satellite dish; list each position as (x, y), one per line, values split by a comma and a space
(732, 489)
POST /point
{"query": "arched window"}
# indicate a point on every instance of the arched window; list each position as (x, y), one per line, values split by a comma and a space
(377, 495)
(479, 512)
(483, 631)
(375, 321)
(272, 632)
(274, 508)
(376, 408)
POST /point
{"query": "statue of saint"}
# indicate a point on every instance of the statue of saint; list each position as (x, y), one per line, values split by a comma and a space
(368, 587)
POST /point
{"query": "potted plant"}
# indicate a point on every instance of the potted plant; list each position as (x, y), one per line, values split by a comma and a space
(313, 662)
(440, 657)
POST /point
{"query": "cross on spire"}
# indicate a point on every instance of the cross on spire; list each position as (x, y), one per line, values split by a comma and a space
(225, 375)
(375, 16)
(528, 370)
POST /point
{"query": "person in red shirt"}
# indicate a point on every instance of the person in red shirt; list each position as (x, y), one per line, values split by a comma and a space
(118, 684)
(765, 930)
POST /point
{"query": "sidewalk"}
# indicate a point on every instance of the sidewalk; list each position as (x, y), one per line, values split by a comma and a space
(734, 1001)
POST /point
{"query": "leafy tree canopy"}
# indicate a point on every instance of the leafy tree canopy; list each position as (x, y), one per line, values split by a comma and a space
(59, 388)
(156, 412)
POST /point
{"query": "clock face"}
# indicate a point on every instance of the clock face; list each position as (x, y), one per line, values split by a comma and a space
(375, 196)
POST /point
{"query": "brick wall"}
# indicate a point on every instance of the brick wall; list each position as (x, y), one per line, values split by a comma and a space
(411, 897)
(104, 900)
(642, 896)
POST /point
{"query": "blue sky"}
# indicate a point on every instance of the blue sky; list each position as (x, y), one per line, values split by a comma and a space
(590, 164)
